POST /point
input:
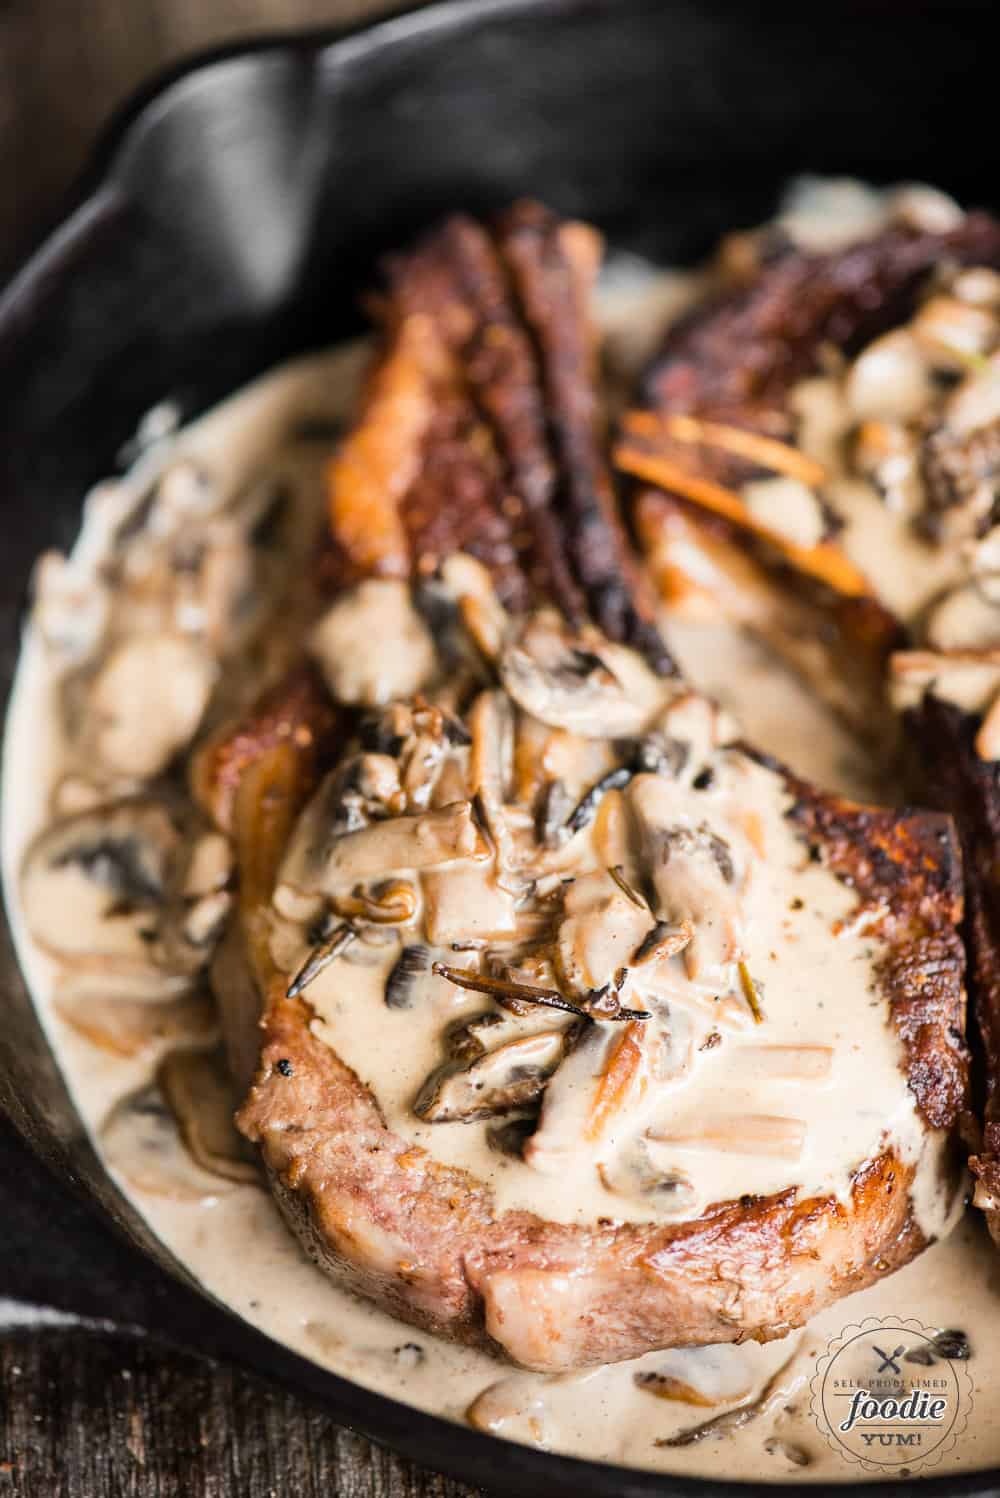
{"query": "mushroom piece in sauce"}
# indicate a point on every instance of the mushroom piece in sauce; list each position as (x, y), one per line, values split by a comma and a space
(103, 892)
(94, 886)
(175, 1137)
(199, 1093)
(510, 1077)
(603, 692)
(135, 1027)
(146, 703)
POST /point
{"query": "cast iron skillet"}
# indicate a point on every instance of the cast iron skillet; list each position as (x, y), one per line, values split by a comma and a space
(229, 221)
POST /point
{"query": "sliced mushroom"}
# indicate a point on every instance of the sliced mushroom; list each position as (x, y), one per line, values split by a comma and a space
(631, 1173)
(510, 1138)
(209, 865)
(140, 1143)
(72, 607)
(824, 214)
(553, 806)
(975, 401)
(190, 930)
(966, 619)
(131, 1027)
(373, 645)
(411, 964)
(316, 865)
(199, 1093)
(699, 874)
(979, 286)
(514, 1407)
(952, 334)
(470, 1039)
(74, 794)
(885, 453)
(601, 928)
(580, 682)
(470, 585)
(890, 380)
(94, 887)
(467, 904)
(788, 506)
(490, 773)
(499, 1081)
(794, 1455)
(698, 723)
(926, 209)
(969, 678)
(706, 1377)
(147, 701)
(387, 902)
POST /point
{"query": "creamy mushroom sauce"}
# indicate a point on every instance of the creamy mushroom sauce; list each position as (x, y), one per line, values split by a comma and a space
(659, 1117)
(123, 1014)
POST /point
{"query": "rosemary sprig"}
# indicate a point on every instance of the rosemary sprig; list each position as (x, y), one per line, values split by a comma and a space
(750, 993)
(618, 876)
(320, 957)
(586, 808)
(512, 995)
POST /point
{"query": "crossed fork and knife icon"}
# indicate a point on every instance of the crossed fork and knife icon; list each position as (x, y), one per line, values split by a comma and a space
(888, 1358)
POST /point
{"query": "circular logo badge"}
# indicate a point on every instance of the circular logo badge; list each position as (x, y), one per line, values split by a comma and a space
(892, 1393)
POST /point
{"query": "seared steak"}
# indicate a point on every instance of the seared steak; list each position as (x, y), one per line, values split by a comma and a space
(759, 434)
(913, 419)
(563, 989)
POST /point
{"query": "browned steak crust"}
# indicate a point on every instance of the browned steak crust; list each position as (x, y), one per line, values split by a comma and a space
(492, 326)
(296, 712)
(491, 329)
(738, 358)
(955, 778)
(908, 866)
(422, 1238)
(735, 360)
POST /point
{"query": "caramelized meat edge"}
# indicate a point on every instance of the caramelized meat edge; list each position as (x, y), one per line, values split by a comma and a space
(954, 777)
(482, 430)
(734, 361)
(376, 1212)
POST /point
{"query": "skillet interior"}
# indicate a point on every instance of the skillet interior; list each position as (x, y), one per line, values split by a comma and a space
(232, 216)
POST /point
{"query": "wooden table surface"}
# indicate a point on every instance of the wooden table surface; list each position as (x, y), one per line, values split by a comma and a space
(85, 1413)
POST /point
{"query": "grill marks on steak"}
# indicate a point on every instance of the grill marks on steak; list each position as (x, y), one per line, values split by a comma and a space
(553, 266)
(500, 443)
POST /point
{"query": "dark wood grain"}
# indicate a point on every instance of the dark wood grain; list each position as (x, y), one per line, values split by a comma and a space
(86, 1414)
(102, 1417)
